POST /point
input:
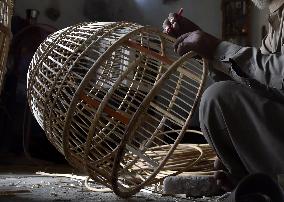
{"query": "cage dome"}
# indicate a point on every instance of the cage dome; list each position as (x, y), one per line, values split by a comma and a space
(116, 100)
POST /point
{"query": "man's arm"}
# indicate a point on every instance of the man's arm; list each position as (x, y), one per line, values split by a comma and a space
(261, 64)
(234, 60)
(267, 69)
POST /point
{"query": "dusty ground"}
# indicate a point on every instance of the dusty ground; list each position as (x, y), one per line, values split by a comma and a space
(24, 183)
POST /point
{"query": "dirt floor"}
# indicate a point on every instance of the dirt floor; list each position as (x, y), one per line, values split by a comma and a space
(31, 182)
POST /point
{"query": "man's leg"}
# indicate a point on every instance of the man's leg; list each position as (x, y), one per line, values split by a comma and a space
(245, 126)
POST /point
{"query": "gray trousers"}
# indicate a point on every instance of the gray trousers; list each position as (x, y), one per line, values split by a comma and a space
(245, 126)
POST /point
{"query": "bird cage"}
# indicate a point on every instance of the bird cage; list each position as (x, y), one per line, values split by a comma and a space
(116, 100)
(6, 11)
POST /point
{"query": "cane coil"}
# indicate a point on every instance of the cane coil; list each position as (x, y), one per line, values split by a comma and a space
(6, 11)
(116, 100)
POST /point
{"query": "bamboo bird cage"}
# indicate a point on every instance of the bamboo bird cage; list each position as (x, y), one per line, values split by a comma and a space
(6, 11)
(116, 100)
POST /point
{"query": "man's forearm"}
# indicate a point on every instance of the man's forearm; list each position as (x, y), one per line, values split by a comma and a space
(267, 69)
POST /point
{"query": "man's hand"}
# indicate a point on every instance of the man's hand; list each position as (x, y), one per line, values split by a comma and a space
(176, 25)
(198, 41)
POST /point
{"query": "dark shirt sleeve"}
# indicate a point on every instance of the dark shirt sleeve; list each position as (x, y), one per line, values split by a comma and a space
(250, 62)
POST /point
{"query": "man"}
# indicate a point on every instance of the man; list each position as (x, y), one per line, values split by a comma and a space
(243, 117)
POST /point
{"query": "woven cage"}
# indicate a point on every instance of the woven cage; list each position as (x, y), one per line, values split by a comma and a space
(6, 11)
(116, 100)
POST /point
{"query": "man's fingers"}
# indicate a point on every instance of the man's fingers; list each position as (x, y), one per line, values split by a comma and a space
(182, 49)
(180, 40)
(172, 17)
(176, 26)
(166, 24)
(167, 27)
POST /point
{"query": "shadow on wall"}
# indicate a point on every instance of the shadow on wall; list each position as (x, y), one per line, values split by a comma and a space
(112, 11)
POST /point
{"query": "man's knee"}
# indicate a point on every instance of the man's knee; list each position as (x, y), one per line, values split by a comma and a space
(217, 94)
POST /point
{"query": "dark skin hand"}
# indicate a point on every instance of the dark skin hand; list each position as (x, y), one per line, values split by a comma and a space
(190, 37)
(176, 25)
(198, 41)
(224, 179)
